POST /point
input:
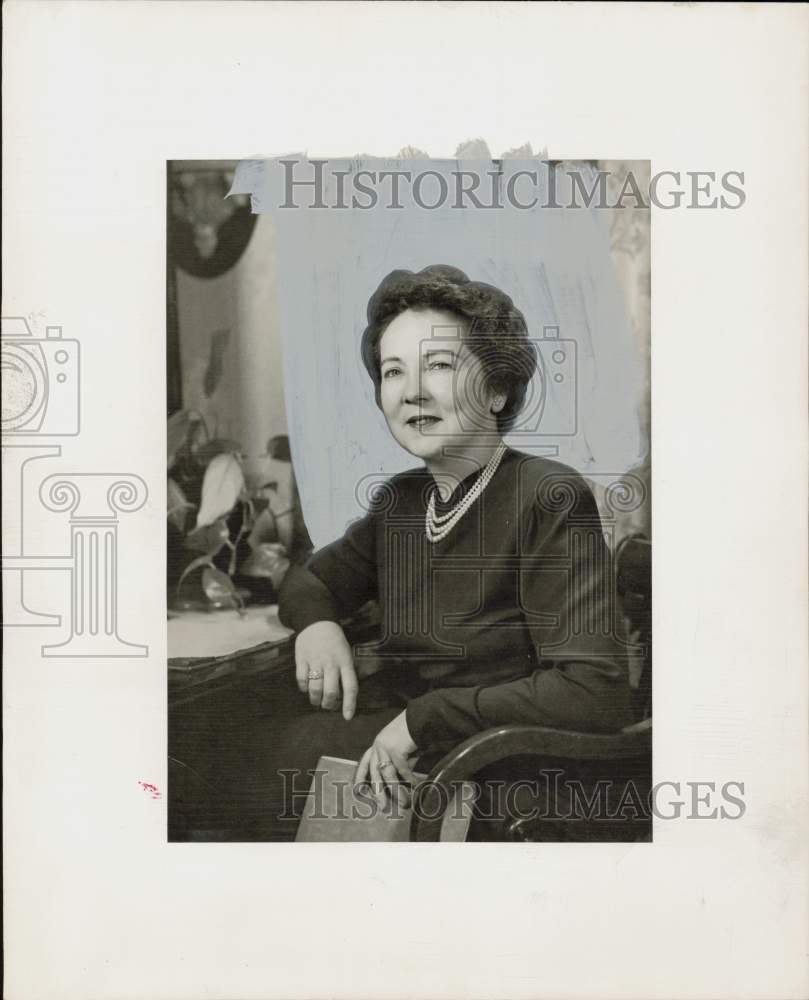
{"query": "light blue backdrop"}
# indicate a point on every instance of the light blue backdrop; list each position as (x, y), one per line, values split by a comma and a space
(554, 263)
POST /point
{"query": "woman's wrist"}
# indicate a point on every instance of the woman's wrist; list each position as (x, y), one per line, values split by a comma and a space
(410, 745)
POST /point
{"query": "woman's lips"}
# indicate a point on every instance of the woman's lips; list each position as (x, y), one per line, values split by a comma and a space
(424, 421)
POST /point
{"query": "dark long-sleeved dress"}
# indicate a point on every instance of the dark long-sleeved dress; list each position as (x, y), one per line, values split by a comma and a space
(510, 618)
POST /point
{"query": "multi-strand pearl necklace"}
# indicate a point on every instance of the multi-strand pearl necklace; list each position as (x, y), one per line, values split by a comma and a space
(439, 526)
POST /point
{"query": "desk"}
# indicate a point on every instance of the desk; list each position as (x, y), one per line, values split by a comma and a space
(218, 708)
(195, 635)
(208, 650)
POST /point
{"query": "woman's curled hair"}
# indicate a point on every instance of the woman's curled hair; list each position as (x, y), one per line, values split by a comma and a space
(497, 332)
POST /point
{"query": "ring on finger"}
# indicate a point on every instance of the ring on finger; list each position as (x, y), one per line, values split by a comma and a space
(315, 677)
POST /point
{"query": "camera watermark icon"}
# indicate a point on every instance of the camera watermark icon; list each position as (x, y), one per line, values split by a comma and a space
(40, 401)
(40, 381)
(486, 362)
(558, 371)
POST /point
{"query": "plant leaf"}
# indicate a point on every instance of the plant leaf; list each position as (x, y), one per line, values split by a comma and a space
(195, 564)
(216, 365)
(268, 559)
(219, 588)
(209, 539)
(221, 487)
(177, 433)
(177, 505)
(264, 529)
(278, 448)
(198, 434)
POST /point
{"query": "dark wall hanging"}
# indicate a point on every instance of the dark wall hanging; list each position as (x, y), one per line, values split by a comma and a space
(208, 232)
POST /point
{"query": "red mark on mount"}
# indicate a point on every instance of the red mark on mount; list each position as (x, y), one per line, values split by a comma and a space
(151, 789)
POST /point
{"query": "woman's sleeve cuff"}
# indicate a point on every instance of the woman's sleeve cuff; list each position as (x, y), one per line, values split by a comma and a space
(304, 600)
(444, 716)
(417, 718)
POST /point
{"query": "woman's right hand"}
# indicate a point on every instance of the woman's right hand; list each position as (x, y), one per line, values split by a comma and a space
(324, 667)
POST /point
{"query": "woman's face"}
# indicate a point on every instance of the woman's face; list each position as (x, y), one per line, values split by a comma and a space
(433, 392)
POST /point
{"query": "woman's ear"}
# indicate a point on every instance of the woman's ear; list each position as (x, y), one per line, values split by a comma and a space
(498, 402)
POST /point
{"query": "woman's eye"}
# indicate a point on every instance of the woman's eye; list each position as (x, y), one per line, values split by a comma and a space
(439, 366)
(391, 372)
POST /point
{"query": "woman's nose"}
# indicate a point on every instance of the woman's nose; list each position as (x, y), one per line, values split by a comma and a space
(414, 389)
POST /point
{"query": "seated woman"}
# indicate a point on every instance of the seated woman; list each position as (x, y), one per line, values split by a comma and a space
(489, 565)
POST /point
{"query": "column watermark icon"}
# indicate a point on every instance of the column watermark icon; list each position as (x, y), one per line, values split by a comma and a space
(40, 402)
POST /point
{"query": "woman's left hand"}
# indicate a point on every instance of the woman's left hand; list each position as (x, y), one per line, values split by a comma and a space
(386, 763)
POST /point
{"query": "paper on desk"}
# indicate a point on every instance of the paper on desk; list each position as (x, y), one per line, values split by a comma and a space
(218, 633)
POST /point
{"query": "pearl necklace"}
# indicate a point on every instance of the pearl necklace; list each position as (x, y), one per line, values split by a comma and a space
(439, 526)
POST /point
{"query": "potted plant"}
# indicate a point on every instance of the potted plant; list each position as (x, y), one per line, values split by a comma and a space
(225, 542)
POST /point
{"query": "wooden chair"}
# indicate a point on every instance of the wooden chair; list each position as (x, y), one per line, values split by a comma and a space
(577, 786)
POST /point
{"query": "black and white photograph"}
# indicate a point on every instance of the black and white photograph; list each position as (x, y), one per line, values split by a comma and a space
(409, 533)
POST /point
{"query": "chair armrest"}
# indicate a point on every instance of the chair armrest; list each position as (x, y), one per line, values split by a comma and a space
(501, 742)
